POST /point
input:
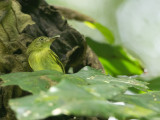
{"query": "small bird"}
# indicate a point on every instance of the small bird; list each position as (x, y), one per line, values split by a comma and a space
(41, 57)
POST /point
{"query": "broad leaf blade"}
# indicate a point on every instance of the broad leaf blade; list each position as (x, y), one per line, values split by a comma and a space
(85, 93)
(70, 99)
(33, 82)
(38, 81)
(91, 79)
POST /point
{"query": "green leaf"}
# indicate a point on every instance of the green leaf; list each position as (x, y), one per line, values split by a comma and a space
(22, 20)
(154, 83)
(93, 76)
(98, 83)
(91, 79)
(38, 81)
(13, 21)
(5, 7)
(104, 31)
(33, 82)
(70, 99)
(115, 59)
(150, 100)
(86, 93)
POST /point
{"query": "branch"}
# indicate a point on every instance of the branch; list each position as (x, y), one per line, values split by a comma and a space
(72, 14)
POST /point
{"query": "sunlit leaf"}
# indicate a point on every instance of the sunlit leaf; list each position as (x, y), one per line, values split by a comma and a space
(104, 31)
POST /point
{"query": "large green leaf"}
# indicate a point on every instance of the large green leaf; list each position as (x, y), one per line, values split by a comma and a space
(95, 77)
(33, 82)
(106, 86)
(38, 81)
(115, 59)
(70, 99)
(83, 94)
(91, 79)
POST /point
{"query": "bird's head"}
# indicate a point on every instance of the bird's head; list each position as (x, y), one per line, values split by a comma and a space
(41, 43)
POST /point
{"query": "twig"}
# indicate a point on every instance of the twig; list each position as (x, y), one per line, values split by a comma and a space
(72, 14)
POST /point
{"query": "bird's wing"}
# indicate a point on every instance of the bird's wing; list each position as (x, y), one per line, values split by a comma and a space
(56, 59)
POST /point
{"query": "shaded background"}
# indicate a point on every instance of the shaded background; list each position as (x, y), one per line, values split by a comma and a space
(134, 24)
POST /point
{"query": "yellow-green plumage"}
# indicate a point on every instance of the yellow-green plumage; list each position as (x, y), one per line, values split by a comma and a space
(41, 57)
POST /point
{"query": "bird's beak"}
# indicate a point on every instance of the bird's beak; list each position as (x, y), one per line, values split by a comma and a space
(53, 38)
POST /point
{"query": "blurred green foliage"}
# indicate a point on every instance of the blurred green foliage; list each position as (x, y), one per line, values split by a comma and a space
(115, 59)
(103, 30)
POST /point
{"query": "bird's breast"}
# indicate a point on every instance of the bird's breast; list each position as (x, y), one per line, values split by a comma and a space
(37, 59)
(43, 60)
